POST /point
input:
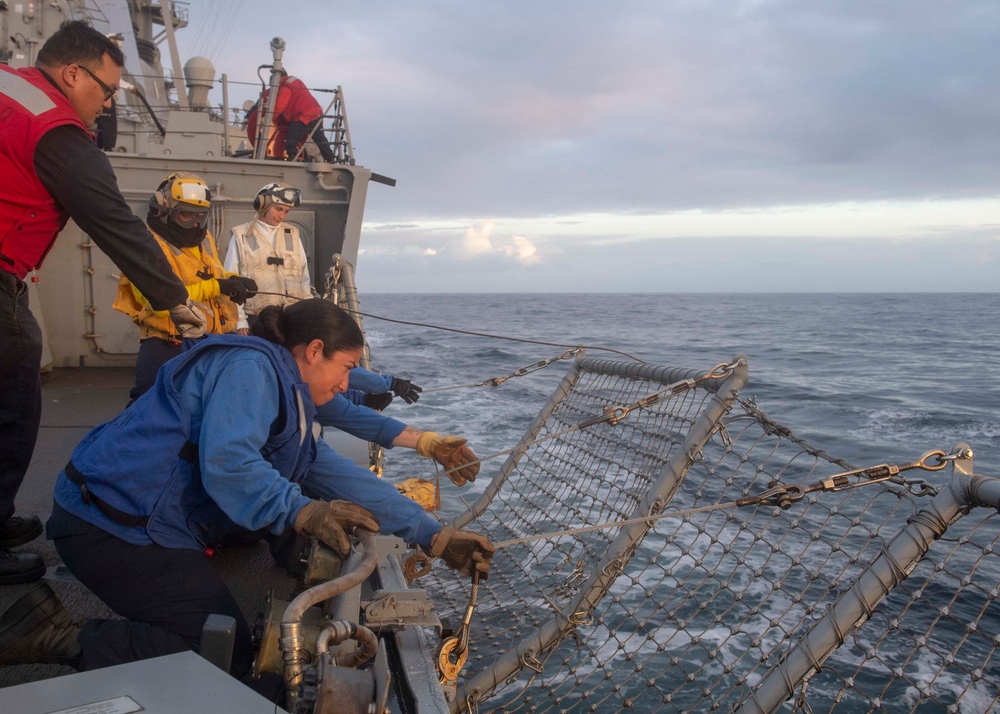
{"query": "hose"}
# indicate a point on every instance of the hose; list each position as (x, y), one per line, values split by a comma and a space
(292, 642)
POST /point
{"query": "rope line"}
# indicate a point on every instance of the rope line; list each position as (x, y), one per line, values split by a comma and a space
(469, 332)
(497, 381)
(498, 337)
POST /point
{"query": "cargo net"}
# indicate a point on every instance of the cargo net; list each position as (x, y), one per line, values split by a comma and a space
(701, 608)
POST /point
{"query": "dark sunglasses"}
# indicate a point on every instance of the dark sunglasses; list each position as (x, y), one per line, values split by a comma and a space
(108, 91)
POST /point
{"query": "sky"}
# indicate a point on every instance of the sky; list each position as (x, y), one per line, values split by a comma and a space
(653, 146)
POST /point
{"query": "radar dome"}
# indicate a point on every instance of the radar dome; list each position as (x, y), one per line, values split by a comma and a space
(199, 77)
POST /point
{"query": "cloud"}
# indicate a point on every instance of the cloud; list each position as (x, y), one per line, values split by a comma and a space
(479, 242)
(523, 250)
(526, 108)
(519, 130)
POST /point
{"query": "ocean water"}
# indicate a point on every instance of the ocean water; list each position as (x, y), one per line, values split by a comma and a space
(870, 378)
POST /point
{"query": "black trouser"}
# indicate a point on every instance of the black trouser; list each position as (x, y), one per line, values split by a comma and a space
(165, 594)
(153, 354)
(296, 134)
(107, 127)
(20, 388)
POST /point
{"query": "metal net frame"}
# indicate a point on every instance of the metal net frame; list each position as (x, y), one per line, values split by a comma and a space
(720, 607)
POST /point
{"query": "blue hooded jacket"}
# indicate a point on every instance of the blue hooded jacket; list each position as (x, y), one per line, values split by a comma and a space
(223, 440)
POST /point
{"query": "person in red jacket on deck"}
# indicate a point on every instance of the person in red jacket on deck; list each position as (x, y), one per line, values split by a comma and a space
(50, 171)
(275, 141)
(297, 115)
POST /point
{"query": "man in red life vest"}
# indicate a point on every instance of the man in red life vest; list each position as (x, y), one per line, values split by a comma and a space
(50, 171)
(297, 115)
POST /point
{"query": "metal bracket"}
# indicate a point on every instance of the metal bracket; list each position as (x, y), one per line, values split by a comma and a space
(389, 545)
(395, 609)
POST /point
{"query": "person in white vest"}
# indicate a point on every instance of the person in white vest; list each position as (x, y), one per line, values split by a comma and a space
(271, 252)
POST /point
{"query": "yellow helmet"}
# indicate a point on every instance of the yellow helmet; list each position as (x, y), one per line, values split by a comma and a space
(183, 198)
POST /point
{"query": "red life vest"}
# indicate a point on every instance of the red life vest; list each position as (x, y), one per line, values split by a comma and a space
(276, 141)
(30, 219)
(296, 102)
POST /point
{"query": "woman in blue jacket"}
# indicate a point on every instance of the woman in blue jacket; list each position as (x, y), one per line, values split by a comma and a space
(223, 442)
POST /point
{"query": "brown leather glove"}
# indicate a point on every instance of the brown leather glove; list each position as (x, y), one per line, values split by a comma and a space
(464, 551)
(329, 521)
(188, 319)
(450, 452)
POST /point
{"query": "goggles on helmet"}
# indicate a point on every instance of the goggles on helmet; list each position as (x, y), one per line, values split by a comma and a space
(284, 195)
(187, 216)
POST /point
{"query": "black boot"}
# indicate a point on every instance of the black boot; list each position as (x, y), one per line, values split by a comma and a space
(37, 630)
(17, 531)
(20, 567)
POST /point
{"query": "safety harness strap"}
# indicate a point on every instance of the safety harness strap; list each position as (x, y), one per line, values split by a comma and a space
(188, 452)
(125, 519)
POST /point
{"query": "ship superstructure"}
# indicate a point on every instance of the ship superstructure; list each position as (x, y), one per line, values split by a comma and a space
(168, 125)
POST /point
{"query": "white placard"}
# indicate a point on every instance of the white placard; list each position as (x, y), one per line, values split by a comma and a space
(118, 705)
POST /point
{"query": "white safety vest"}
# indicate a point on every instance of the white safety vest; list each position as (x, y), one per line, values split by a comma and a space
(287, 273)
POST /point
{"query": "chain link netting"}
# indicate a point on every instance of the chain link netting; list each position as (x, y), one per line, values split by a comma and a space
(691, 616)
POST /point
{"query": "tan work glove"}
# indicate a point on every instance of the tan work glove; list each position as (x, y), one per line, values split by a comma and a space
(329, 521)
(450, 452)
(188, 320)
(464, 551)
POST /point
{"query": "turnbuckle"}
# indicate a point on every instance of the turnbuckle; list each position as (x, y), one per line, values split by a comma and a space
(783, 496)
(522, 371)
(931, 461)
(614, 414)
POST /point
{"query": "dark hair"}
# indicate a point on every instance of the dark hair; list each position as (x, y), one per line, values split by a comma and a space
(306, 320)
(76, 42)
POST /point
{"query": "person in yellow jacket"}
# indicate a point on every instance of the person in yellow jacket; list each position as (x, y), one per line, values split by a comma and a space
(178, 218)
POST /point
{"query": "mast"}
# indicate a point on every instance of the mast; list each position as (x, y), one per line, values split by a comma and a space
(265, 114)
(168, 19)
